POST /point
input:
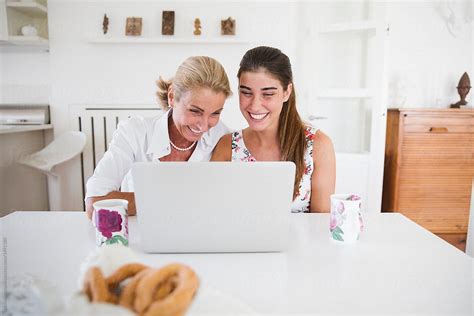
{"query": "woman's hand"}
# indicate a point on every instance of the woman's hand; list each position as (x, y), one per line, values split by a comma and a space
(129, 196)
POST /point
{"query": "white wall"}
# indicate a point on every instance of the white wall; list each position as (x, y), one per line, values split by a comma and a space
(426, 60)
(95, 74)
(24, 76)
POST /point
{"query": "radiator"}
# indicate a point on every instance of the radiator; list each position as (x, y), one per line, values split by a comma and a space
(99, 124)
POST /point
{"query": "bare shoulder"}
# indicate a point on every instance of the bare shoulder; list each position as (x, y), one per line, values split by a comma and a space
(223, 149)
(321, 139)
(323, 180)
(322, 146)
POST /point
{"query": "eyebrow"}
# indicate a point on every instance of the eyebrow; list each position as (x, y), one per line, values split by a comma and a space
(202, 110)
(263, 89)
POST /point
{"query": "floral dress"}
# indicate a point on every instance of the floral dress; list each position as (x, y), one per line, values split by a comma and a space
(240, 153)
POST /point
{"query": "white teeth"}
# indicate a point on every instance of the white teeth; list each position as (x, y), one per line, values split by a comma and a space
(195, 131)
(258, 116)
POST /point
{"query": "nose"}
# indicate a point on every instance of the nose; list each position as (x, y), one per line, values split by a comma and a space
(204, 124)
(255, 102)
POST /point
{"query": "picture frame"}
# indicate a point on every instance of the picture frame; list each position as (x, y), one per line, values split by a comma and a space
(133, 26)
(167, 24)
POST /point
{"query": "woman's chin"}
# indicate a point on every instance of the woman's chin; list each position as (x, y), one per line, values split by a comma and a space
(191, 136)
(257, 126)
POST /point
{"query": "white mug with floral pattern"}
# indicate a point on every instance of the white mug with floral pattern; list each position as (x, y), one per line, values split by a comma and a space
(111, 221)
(346, 222)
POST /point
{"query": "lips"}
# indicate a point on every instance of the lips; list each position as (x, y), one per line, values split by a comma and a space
(258, 116)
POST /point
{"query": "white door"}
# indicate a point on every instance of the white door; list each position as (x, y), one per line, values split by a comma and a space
(343, 56)
(3, 21)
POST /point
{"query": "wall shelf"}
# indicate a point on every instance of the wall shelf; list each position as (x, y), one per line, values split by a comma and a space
(19, 14)
(165, 40)
(345, 94)
(358, 26)
(28, 40)
(30, 8)
(8, 129)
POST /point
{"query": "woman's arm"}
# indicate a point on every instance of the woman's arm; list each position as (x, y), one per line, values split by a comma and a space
(323, 180)
(115, 164)
(129, 196)
(223, 149)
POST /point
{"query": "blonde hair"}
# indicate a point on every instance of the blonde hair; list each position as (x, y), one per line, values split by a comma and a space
(194, 72)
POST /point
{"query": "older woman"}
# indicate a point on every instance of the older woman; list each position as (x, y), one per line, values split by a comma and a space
(276, 131)
(189, 130)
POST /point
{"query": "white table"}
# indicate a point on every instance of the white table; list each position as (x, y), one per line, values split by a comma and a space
(397, 267)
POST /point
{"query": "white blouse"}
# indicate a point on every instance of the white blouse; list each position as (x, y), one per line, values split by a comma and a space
(141, 139)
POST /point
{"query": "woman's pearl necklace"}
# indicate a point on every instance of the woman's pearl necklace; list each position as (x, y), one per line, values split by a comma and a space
(183, 149)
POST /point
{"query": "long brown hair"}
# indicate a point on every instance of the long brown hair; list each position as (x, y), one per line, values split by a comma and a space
(291, 129)
(194, 72)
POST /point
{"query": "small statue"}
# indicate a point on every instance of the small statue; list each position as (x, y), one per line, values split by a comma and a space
(105, 24)
(197, 26)
(167, 25)
(133, 26)
(228, 27)
(463, 87)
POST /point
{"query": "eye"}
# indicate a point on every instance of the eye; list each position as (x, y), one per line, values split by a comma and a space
(246, 93)
(268, 94)
(194, 111)
(216, 113)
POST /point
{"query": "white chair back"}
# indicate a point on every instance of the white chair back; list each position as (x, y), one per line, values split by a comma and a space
(61, 149)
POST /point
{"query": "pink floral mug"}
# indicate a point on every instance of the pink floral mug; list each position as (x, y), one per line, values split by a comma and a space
(346, 222)
(111, 221)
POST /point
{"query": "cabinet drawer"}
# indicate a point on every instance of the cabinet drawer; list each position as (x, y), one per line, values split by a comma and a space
(440, 145)
(447, 177)
(457, 240)
(438, 124)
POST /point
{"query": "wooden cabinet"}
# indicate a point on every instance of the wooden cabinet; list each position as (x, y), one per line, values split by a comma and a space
(429, 167)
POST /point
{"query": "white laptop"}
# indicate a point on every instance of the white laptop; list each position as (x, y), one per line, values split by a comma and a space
(213, 206)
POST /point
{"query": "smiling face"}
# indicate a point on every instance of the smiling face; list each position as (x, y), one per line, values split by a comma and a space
(261, 98)
(196, 111)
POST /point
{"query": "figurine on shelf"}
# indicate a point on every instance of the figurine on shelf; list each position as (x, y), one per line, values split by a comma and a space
(29, 30)
(228, 27)
(134, 26)
(197, 26)
(105, 24)
(463, 87)
(167, 25)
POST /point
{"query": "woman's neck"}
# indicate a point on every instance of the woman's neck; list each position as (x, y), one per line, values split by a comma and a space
(263, 145)
(268, 137)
